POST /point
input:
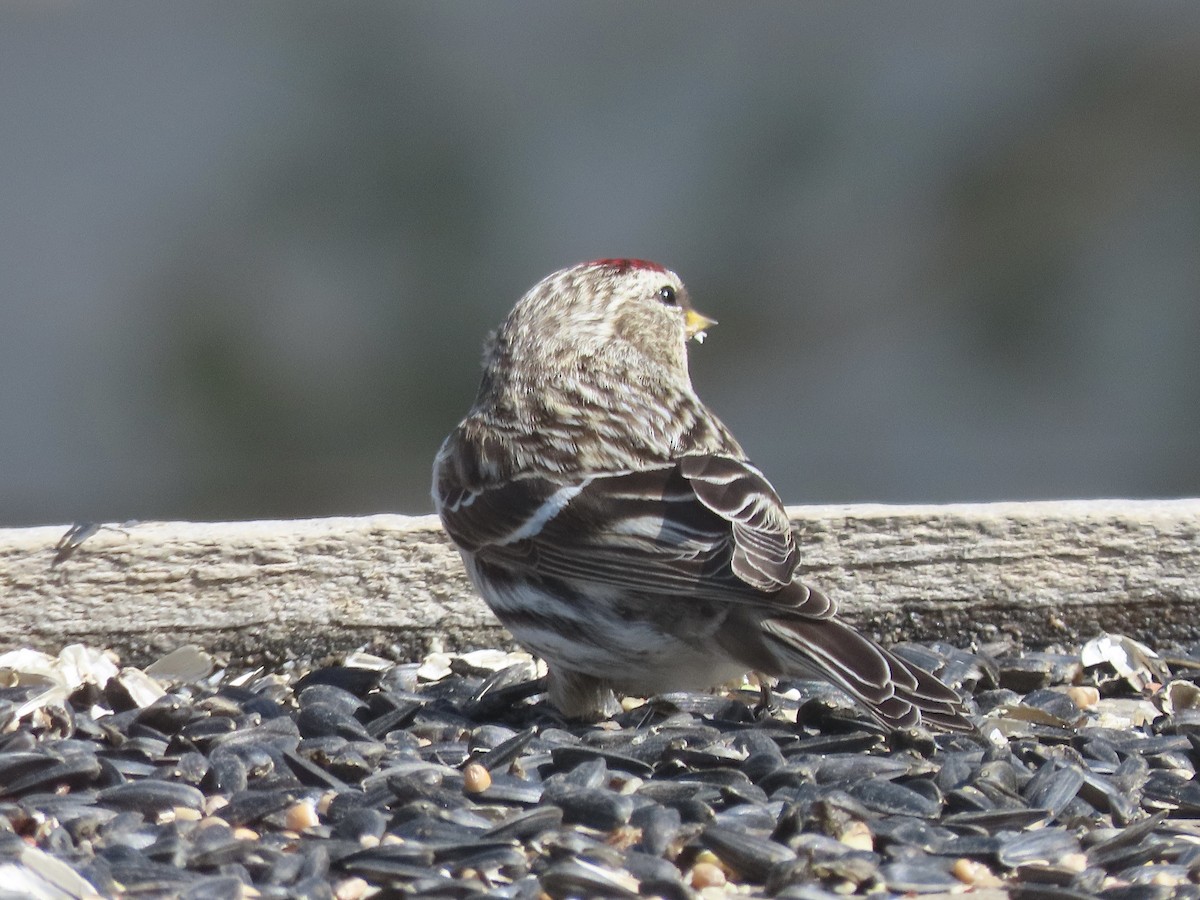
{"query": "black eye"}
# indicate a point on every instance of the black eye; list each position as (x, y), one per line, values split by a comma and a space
(667, 295)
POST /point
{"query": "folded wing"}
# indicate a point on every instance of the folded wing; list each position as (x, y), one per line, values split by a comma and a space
(709, 527)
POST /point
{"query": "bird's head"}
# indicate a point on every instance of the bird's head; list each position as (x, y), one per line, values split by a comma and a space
(620, 317)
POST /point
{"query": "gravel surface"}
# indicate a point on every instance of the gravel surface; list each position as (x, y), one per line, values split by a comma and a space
(453, 778)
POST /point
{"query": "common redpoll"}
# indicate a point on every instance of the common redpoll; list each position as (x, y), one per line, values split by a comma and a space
(615, 526)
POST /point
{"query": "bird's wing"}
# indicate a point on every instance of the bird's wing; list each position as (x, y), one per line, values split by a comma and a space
(709, 527)
(764, 551)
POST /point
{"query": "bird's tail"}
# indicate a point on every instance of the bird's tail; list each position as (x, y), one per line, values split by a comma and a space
(895, 692)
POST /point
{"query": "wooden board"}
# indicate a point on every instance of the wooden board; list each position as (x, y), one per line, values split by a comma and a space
(1045, 573)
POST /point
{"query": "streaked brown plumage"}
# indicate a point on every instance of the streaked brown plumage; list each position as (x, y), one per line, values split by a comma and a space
(615, 526)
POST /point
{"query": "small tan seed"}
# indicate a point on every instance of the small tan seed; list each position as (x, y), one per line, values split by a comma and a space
(1084, 696)
(351, 889)
(857, 836)
(705, 874)
(302, 815)
(476, 779)
(976, 874)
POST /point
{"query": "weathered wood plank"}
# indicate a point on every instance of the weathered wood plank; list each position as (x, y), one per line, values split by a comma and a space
(1047, 572)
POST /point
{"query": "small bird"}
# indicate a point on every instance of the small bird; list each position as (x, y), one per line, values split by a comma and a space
(615, 526)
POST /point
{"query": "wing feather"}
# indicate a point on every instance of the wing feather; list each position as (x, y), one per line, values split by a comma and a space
(765, 554)
(706, 527)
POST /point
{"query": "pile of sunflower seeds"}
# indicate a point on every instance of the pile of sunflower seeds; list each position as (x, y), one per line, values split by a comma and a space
(453, 778)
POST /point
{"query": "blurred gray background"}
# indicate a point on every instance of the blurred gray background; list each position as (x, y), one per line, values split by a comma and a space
(249, 252)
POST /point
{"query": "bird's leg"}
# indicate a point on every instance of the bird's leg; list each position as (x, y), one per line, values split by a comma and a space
(580, 696)
(766, 702)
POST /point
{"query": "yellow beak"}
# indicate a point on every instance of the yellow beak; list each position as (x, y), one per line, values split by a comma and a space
(697, 324)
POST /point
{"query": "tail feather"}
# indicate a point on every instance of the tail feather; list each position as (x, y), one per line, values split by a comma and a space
(892, 690)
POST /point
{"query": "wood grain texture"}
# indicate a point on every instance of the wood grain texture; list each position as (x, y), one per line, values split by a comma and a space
(1044, 572)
